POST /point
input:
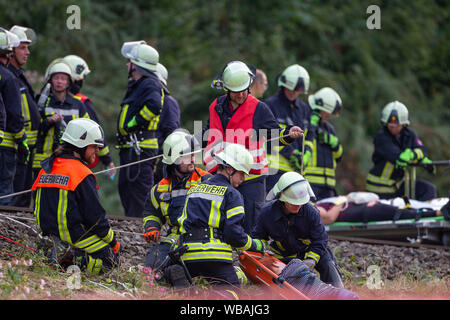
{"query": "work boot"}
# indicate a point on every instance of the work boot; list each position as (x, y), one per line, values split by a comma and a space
(176, 276)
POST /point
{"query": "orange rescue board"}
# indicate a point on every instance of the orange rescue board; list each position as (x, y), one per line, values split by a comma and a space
(263, 270)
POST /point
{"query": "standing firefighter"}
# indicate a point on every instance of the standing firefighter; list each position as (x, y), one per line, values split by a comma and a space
(67, 202)
(211, 223)
(397, 146)
(238, 117)
(322, 147)
(57, 107)
(288, 110)
(165, 201)
(14, 139)
(137, 124)
(24, 170)
(80, 70)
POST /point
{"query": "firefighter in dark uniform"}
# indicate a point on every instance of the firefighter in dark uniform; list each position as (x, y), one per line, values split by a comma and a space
(137, 124)
(80, 70)
(169, 120)
(396, 146)
(14, 138)
(23, 178)
(165, 201)
(289, 110)
(211, 223)
(238, 117)
(322, 147)
(57, 107)
(67, 203)
(295, 227)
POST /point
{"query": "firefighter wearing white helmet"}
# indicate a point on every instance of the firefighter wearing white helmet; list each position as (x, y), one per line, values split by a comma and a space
(295, 228)
(24, 172)
(322, 144)
(57, 108)
(81, 222)
(239, 117)
(396, 147)
(12, 133)
(211, 223)
(169, 120)
(80, 70)
(165, 201)
(289, 110)
(137, 124)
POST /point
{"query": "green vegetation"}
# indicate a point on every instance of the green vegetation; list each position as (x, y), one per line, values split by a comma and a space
(406, 60)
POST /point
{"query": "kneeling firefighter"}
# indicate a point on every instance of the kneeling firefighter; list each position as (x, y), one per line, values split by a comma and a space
(211, 223)
(165, 201)
(67, 203)
(295, 227)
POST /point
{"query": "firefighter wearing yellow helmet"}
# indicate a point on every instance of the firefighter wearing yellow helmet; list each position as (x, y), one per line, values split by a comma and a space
(80, 70)
(289, 109)
(239, 117)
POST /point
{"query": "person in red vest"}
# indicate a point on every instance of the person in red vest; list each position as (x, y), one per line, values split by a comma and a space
(80, 70)
(67, 204)
(239, 117)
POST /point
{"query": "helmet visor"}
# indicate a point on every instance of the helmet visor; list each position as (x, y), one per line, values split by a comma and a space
(130, 49)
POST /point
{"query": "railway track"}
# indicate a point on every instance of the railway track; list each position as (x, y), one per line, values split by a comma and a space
(27, 215)
(354, 254)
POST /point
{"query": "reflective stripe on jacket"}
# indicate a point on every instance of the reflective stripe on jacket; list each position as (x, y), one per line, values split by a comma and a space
(164, 204)
(384, 177)
(214, 207)
(67, 205)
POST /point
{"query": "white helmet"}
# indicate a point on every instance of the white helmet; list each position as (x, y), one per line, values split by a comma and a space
(79, 67)
(178, 144)
(162, 73)
(292, 188)
(326, 99)
(294, 77)
(141, 54)
(236, 156)
(24, 34)
(82, 132)
(58, 66)
(396, 113)
(8, 40)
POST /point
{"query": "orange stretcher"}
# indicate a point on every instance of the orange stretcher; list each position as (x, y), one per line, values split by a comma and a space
(263, 270)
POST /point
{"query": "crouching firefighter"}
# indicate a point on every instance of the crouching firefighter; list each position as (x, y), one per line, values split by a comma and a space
(295, 227)
(211, 223)
(165, 201)
(67, 203)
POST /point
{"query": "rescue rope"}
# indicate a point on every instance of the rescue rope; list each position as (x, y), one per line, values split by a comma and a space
(128, 165)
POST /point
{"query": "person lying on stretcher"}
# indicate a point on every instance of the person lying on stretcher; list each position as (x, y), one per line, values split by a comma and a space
(366, 206)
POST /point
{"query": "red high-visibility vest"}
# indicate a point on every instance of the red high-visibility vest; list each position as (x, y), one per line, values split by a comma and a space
(239, 130)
